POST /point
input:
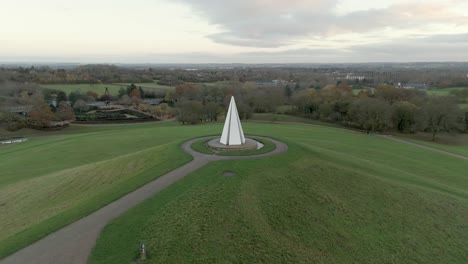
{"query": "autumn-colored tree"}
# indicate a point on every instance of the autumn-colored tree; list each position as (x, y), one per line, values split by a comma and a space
(135, 93)
(363, 93)
(344, 88)
(41, 115)
(186, 90)
(144, 107)
(130, 88)
(65, 112)
(92, 94)
(392, 94)
(307, 101)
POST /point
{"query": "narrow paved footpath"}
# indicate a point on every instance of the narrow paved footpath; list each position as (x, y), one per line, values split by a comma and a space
(73, 243)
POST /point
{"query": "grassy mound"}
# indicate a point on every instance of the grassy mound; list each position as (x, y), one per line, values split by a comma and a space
(334, 197)
(49, 182)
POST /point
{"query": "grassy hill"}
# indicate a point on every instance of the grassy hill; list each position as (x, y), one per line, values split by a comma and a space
(336, 197)
(50, 181)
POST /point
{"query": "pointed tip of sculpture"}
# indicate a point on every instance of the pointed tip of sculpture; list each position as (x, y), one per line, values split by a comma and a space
(232, 131)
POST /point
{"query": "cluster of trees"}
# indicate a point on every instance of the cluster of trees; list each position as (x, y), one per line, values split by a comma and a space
(161, 112)
(35, 101)
(75, 75)
(388, 107)
(384, 108)
(42, 116)
(197, 103)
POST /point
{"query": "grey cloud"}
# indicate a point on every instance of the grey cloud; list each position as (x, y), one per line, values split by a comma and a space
(453, 47)
(261, 23)
(450, 47)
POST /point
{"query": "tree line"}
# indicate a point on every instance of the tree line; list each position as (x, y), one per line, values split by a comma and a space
(375, 110)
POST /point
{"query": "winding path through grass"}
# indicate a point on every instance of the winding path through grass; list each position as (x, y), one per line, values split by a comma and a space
(73, 243)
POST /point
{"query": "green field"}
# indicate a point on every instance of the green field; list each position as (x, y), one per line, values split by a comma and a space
(456, 143)
(83, 88)
(282, 118)
(443, 91)
(337, 196)
(101, 88)
(147, 85)
(357, 91)
(222, 84)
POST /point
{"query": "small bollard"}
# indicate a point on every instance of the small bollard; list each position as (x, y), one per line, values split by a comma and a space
(142, 252)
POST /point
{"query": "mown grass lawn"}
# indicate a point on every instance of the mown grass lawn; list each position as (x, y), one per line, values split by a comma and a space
(443, 91)
(83, 88)
(284, 118)
(101, 88)
(455, 143)
(50, 181)
(335, 197)
(148, 85)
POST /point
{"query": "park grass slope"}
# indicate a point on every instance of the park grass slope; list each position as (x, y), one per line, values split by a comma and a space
(49, 182)
(334, 197)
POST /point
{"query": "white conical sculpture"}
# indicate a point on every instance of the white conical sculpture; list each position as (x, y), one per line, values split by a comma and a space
(232, 131)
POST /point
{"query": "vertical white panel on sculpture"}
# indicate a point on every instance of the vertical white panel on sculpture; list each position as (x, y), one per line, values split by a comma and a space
(241, 131)
(232, 131)
(225, 135)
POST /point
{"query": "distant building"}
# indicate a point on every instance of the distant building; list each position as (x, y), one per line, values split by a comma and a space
(413, 85)
(270, 83)
(355, 77)
(282, 82)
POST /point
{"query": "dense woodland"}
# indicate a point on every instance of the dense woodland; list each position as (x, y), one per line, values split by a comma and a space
(321, 93)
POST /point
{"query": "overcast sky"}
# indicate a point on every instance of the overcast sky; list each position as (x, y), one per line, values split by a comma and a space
(245, 31)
